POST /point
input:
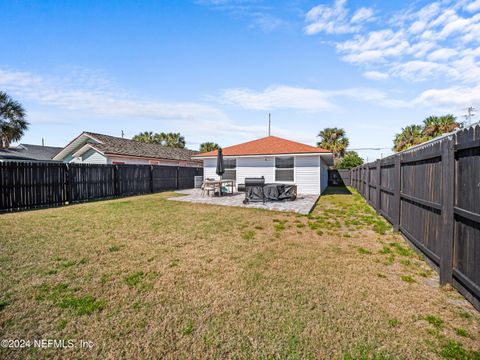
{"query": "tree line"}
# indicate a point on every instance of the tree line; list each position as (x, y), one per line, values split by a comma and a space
(432, 127)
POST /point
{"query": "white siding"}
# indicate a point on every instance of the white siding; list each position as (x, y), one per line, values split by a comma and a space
(311, 173)
(209, 168)
(90, 157)
(307, 174)
(255, 167)
(246, 167)
(323, 176)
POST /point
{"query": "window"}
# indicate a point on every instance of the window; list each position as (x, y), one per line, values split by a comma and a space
(284, 168)
(230, 169)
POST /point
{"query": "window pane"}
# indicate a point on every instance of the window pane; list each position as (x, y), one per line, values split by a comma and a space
(284, 162)
(230, 163)
(284, 175)
(230, 174)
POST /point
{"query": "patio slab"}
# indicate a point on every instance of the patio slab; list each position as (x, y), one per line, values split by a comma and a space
(302, 205)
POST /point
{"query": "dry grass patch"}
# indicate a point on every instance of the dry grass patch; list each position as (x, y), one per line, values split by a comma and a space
(145, 277)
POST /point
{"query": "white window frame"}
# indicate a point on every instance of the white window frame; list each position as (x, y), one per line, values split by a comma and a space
(294, 167)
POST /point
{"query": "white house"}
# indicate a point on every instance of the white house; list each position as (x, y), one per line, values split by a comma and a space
(278, 160)
(92, 148)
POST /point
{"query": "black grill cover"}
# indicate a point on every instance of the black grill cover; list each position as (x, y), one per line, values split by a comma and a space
(280, 192)
(273, 192)
(254, 193)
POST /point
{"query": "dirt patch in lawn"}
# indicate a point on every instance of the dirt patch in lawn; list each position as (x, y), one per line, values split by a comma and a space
(144, 277)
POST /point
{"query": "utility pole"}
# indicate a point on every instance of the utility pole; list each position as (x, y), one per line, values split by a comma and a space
(470, 113)
(269, 123)
(122, 134)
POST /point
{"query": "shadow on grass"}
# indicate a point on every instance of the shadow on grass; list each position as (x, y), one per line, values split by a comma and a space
(337, 190)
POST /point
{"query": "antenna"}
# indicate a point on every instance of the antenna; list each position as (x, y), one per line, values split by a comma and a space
(470, 113)
(269, 123)
(122, 133)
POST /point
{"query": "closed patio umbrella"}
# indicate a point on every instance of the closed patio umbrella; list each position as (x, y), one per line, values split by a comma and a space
(220, 165)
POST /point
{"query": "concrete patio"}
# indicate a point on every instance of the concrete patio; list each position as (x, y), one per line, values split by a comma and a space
(302, 205)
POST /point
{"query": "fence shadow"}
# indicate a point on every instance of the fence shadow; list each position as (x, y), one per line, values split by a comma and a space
(337, 190)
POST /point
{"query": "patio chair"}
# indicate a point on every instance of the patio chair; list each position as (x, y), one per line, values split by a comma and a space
(206, 188)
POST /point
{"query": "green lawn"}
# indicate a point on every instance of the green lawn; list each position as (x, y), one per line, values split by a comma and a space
(145, 277)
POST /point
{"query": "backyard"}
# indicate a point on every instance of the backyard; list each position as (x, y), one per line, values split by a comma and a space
(146, 277)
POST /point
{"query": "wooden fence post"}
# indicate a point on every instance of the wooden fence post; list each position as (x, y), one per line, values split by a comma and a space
(397, 188)
(116, 185)
(68, 185)
(367, 187)
(447, 233)
(176, 179)
(151, 179)
(379, 167)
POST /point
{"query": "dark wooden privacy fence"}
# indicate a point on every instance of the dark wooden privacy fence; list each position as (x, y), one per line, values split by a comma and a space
(25, 185)
(431, 193)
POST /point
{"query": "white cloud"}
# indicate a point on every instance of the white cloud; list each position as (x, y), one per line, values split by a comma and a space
(258, 14)
(473, 6)
(449, 97)
(335, 19)
(436, 41)
(418, 70)
(376, 46)
(304, 99)
(362, 14)
(278, 97)
(266, 22)
(375, 75)
(442, 54)
(93, 94)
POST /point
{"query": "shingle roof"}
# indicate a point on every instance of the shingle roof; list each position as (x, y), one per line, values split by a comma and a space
(28, 152)
(120, 146)
(270, 145)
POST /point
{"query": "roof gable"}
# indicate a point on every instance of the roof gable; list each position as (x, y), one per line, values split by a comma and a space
(270, 145)
(111, 145)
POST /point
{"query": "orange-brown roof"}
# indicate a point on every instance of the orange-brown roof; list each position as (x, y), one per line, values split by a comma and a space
(270, 145)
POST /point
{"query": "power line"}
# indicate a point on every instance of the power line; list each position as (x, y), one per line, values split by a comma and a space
(470, 113)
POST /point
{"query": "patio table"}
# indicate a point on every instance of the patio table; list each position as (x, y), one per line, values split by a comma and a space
(219, 183)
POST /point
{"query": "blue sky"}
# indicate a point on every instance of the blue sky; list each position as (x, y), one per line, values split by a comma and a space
(214, 69)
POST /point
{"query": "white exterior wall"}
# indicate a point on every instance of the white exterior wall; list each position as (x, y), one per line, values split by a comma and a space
(90, 157)
(307, 174)
(310, 173)
(209, 168)
(255, 167)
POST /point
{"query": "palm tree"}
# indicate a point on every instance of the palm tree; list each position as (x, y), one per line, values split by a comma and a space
(333, 139)
(434, 126)
(12, 120)
(409, 136)
(146, 136)
(208, 146)
(175, 140)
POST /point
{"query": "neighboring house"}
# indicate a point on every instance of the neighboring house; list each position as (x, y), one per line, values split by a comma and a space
(92, 148)
(278, 160)
(27, 152)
